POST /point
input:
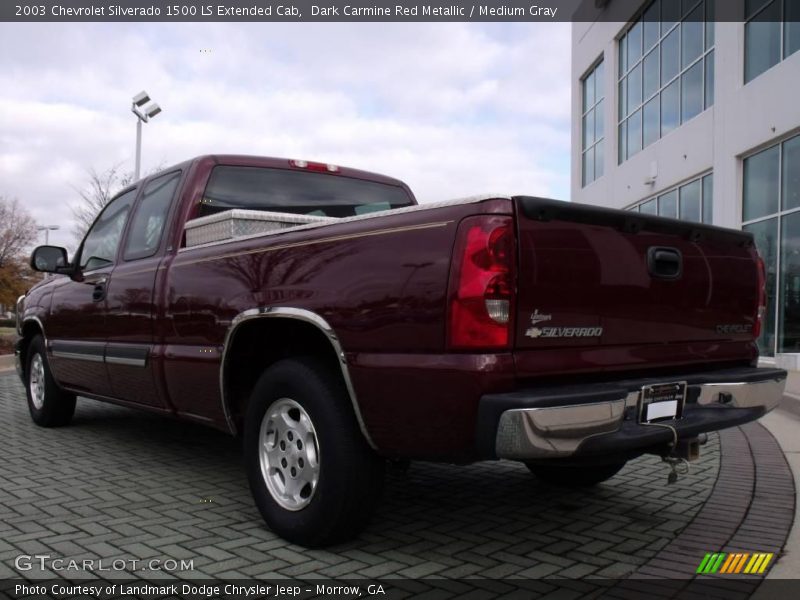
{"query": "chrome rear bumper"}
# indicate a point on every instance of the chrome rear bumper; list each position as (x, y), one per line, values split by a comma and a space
(565, 430)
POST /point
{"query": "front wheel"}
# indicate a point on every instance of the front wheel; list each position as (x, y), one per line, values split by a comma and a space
(313, 476)
(48, 404)
(575, 476)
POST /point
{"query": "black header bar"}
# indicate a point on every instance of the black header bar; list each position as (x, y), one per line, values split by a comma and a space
(545, 11)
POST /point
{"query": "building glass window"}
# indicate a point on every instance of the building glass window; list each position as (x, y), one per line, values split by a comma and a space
(668, 204)
(666, 71)
(790, 184)
(649, 208)
(692, 201)
(708, 194)
(708, 86)
(771, 211)
(761, 184)
(592, 125)
(791, 28)
(771, 33)
(650, 123)
(692, 92)
(766, 237)
(789, 338)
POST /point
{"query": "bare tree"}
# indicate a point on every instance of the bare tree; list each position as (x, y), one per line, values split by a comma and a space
(17, 230)
(99, 189)
(16, 277)
(17, 233)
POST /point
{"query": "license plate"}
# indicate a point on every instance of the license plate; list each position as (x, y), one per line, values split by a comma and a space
(662, 402)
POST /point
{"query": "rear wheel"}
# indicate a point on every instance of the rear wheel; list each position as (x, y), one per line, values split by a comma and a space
(575, 476)
(313, 476)
(48, 404)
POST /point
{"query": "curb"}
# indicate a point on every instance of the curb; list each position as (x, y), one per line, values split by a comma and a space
(6, 363)
(790, 403)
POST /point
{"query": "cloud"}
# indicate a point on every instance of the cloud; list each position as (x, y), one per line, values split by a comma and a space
(453, 109)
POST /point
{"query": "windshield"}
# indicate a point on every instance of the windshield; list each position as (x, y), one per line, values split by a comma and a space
(299, 192)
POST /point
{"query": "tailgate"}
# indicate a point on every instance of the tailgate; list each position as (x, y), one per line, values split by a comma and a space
(591, 276)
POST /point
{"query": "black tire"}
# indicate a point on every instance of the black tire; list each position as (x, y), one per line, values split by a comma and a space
(575, 476)
(49, 405)
(349, 473)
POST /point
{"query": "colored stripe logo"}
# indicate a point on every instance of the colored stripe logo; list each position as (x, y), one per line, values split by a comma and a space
(732, 563)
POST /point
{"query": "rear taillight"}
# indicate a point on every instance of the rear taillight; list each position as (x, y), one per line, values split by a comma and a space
(481, 290)
(761, 305)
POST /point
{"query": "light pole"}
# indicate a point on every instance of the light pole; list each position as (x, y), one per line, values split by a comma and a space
(47, 229)
(142, 116)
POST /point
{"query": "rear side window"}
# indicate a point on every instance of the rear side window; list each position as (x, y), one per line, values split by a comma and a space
(101, 243)
(299, 192)
(150, 217)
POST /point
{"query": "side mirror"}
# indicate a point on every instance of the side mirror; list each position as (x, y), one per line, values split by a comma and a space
(49, 259)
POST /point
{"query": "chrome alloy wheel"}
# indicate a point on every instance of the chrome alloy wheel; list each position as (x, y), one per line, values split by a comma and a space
(36, 381)
(289, 454)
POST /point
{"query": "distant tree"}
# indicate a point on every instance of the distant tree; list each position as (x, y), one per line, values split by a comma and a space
(17, 233)
(17, 230)
(98, 190)
(16, 277)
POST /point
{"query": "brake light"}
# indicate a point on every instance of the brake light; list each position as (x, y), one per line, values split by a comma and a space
(481, 287)
(761, 306)
(313, 166)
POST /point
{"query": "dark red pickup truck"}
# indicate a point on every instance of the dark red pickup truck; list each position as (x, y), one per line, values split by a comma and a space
(335, 323)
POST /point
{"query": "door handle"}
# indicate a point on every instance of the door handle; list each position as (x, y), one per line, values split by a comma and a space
(664, 263)
(99, 291)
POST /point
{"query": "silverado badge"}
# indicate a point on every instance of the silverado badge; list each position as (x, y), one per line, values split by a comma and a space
(563, 332)
(558, 332)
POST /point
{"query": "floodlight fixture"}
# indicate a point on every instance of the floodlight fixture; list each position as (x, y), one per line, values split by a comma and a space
(152, 110)
(47, 229)
(141, 98)
(142, 116)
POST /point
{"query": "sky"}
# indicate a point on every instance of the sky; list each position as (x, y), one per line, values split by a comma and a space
(453, 109)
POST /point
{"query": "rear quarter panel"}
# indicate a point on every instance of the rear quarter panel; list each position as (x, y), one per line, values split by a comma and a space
(381, 283)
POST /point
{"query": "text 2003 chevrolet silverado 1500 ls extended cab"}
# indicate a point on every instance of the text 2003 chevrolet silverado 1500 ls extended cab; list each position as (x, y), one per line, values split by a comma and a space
(347, 325)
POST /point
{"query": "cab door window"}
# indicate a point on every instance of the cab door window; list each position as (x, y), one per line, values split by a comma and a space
(150, 217)
(101, 243)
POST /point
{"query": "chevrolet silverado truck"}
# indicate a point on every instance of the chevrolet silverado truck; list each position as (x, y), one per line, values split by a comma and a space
(334, 324)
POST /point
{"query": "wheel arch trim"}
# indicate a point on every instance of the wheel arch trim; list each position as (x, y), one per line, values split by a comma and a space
(18, 308)
(38, 321)
(21, 365)
(297, 314)
(39, 324)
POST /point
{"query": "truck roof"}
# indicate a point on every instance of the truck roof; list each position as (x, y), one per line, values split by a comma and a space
(244, 160)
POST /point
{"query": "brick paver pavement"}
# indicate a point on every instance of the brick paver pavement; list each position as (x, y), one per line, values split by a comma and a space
(122, 484)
